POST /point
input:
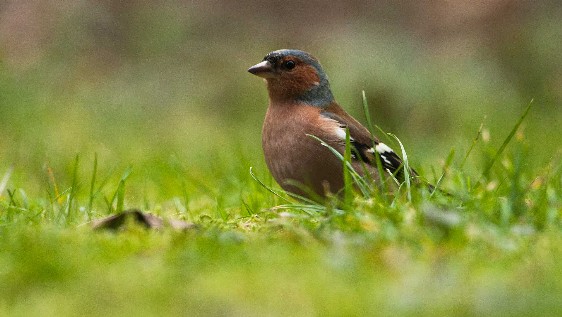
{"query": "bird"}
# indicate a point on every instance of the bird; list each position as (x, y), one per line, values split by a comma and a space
(302, 105)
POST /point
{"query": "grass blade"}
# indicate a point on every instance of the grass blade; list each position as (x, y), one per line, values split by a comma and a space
(121, 190)
(92, 186)
(405, 167)
(448, 163)
(73, 188)
(473, 144)
(311, 203)
(271, 190)
(347, 179)
(506, 141)
(5, 179)
(371, 127)
(358, 179)
(119, 194)
(367, 114)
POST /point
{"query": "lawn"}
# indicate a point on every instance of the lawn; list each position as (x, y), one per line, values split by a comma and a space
(179, 135)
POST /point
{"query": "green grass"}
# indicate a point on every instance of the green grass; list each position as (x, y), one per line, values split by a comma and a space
(180, 137)
(493, 249)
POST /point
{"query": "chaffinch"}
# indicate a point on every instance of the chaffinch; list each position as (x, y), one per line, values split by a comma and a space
(301, 104)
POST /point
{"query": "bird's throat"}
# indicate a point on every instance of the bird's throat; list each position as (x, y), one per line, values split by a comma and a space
(318, 95)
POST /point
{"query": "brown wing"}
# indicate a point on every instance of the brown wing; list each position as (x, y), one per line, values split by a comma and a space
(366, 145)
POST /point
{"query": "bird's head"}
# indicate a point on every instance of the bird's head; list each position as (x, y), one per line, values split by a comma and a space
(294, 76)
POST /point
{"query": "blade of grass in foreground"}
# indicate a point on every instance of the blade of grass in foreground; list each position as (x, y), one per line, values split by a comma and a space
(73, 188)
(506, 141)
(371, 127)
(367, 113)
(290, 182)
(472, 145)
(119, 194)
(92, 186)
(361, 183)
(405, 167)
(265, 186)
(121, 190)
(311, 205)
(347, 179)
(448, 163)
(5, 179)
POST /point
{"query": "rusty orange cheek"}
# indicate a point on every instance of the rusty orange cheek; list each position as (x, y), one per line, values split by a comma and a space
(305, 77)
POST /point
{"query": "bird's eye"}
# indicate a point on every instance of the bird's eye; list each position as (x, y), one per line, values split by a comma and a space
(289, 64)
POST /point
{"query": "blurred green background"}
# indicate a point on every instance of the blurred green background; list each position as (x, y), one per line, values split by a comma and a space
(162, 85)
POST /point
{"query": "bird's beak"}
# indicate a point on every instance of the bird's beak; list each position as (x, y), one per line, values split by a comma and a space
(263, 69)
